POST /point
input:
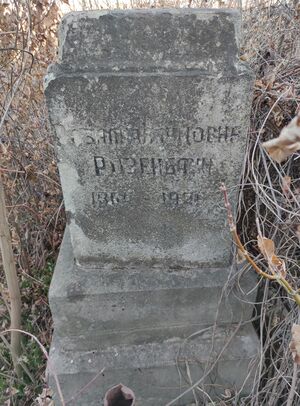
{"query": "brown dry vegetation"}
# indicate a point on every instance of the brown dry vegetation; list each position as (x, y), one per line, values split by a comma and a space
(271, 45)
(28, 169)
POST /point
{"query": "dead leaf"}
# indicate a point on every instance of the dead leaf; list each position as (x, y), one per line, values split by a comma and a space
(287, 143)
(277, 266)
(295, 343)
(267, 248)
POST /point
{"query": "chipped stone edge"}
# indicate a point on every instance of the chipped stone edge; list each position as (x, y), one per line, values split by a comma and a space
(201, 13)
(54, 70)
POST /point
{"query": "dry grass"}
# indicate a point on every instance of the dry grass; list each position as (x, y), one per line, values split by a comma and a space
(29, 172)
(271, 45)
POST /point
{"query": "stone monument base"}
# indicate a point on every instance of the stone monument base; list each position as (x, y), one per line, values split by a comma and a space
(156, 372)
(154, 330)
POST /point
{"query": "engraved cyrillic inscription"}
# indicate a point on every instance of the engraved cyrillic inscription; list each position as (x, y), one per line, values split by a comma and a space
(174, 135)
(153, 166)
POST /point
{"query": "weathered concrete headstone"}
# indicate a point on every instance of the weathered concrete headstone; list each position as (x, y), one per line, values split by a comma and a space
(151, 110)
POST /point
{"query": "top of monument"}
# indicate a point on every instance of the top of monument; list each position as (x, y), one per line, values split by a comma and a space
(134, 41)
(150, 109)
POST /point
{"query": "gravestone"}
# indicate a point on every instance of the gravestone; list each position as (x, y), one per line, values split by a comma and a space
(150, 110)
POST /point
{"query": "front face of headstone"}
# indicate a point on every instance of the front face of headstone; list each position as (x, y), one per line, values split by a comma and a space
(144, 141)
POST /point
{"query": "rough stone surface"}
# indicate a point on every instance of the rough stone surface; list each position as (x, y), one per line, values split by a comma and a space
(112, 306)
(157, 372)
(150, 40)
(150, 110)
(142, 153)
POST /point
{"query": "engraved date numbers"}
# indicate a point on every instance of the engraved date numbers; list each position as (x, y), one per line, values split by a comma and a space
(106, 199)
(175, 199)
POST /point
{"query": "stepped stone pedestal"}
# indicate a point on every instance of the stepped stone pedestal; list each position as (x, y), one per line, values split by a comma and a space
(150, 110)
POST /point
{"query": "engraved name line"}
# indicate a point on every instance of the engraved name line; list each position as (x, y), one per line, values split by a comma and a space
(152, 166)
(175, 135)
